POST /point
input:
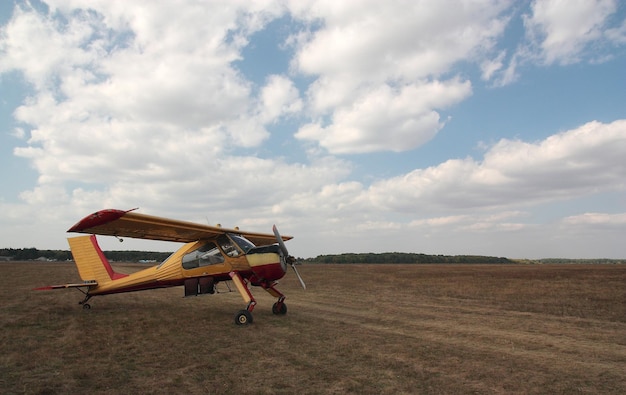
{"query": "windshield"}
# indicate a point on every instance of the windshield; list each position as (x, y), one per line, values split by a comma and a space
(243, 243)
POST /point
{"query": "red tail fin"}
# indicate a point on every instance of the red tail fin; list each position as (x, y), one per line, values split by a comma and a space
(90, 260)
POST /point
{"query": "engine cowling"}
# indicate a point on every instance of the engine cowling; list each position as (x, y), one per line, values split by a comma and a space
(267, 263)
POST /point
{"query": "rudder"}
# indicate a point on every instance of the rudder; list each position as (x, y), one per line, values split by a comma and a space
(90, 260)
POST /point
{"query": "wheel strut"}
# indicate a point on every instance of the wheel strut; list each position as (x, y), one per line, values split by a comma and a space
(86, 306)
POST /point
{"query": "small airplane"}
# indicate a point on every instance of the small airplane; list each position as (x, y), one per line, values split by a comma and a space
(211, 254)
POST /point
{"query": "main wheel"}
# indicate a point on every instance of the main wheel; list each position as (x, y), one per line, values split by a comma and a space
(279, 308)
(86, 306)
(243, 317)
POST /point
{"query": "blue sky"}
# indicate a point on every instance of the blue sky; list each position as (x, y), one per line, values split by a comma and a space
(485, 127)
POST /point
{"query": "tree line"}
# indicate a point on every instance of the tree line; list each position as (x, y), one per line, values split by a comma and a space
(402, 257)
(31, 254)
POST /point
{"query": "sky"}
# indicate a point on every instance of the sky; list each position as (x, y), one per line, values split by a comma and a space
(487, 127)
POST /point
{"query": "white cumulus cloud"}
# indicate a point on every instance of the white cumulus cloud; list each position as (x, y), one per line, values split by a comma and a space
(561, 30)
(378, 68)
(578, 162)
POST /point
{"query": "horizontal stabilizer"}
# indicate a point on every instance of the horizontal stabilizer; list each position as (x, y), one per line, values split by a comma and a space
(84, 284)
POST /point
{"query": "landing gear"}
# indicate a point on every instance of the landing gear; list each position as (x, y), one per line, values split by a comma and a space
(86, 306)
(279, 308)
(243, 317)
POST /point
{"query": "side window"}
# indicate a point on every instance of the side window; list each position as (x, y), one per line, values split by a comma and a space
(206, 255)
(228, 246)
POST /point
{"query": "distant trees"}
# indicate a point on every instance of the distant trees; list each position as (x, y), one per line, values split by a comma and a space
(136, 256)
(599, 261)
(402, 257)
(29, 254)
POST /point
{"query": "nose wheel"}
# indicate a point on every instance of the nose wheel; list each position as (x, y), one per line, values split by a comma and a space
(279, 308)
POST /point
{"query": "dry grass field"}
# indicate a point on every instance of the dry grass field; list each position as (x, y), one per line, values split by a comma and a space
(367, 329)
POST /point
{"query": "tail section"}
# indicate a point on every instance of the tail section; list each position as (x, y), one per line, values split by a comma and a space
(90, 260)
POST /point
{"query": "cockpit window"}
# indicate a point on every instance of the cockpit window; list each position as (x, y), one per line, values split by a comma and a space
(243, 243)
(228, 246)
(206, 255)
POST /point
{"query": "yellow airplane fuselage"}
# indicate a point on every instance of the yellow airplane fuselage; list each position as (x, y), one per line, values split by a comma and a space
(172, 273)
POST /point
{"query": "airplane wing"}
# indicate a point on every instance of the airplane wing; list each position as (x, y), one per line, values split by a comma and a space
(121, 223)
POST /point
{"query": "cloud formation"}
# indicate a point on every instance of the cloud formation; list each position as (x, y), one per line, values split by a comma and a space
(364, 56)
(561, 33)
(387, 119)
(578, 162)
(133, 104)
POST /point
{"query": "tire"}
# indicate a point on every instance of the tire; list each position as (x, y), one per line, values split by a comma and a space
(243, 317)
(279, 308)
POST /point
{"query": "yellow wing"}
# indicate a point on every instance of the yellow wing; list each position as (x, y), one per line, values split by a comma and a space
(111, 222)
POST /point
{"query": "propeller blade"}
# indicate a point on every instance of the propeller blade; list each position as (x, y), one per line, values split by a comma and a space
(280, 241)
(288, 258)
(293, 265)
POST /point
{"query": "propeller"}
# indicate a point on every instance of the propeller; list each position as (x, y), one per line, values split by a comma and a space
(288, 258)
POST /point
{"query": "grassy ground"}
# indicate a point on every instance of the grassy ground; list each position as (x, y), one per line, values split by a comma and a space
(379, 329)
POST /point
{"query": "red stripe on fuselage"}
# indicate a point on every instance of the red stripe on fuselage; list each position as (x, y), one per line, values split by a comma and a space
(142, 287)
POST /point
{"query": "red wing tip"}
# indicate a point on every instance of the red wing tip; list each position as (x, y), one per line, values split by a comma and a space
(99, 218)
(49, 287)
